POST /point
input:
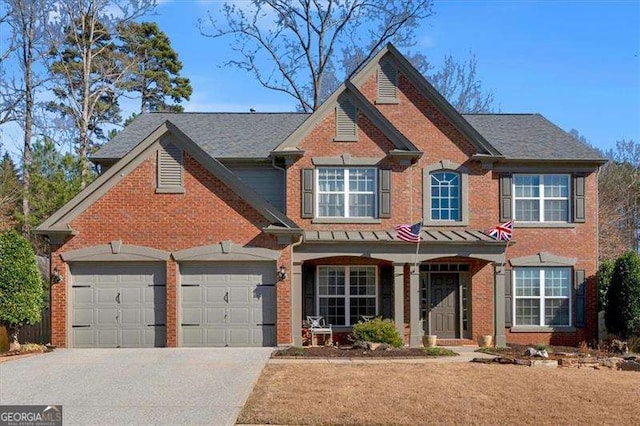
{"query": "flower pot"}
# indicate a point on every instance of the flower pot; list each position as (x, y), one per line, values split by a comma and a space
(429, 341)
(485, 341)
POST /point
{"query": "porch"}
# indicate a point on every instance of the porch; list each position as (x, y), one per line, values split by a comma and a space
(452, 288)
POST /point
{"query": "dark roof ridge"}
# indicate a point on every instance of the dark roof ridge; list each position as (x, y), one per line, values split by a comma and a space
(225, 112)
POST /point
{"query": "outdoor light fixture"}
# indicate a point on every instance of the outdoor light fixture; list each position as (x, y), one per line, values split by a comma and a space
(282, 273)
(56, 278)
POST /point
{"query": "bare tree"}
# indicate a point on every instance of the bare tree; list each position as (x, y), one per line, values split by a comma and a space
(27, 20)
(302, 38)
(619, 200)
(89, 67)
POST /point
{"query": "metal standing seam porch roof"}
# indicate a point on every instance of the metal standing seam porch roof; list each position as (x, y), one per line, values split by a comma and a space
(428, 236)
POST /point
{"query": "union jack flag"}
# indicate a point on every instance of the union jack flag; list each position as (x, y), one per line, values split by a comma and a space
(409, 233)
(502, 232)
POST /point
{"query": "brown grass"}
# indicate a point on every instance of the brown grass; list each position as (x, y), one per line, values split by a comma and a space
(441, 394)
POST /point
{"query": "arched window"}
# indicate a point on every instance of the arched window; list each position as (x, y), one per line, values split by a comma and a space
(445, 195)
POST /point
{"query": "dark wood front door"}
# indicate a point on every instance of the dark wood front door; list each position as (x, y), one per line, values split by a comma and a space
(444, 305)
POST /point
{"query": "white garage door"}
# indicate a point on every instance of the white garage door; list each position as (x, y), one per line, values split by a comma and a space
(118, 304)
(228, 304)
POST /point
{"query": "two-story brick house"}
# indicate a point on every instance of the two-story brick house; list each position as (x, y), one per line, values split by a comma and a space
(229, 229)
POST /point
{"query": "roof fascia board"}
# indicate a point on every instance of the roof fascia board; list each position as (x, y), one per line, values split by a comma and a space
(429, 92)
(104, 182)
(230, 179)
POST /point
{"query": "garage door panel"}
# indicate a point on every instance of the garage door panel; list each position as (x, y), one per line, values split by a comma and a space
(191, 294)
(235, 303)
(121, 302)
(192, 336)
(192, 316)
(215, 316)
(214, 294)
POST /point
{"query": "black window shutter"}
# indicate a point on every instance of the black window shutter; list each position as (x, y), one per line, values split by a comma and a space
(386, 292)
(508, 314)
(308, 290)
(307, 202)
(579, 205)
(384, 193)
(506, 197)
(580, 291)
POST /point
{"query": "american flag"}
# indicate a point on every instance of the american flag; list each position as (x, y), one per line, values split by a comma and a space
(409, 233)
(502, 232)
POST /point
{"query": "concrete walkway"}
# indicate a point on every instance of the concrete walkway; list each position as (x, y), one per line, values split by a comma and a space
(466, 354)
(137, 386)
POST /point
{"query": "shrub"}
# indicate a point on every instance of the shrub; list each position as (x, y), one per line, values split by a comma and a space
(21, 291)
(605, 271)
(438, 351)
(622, 315)
(377, 330)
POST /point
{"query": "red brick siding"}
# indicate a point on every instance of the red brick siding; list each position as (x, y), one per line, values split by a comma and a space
(207, 213)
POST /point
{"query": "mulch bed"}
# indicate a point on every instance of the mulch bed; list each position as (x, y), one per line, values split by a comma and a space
(555, 352)
(349, 352)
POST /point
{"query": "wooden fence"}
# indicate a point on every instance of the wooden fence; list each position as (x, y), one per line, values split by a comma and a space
(37, 333)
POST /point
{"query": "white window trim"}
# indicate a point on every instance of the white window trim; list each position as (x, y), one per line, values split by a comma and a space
(346, 193)
(541, 199)
(542, 299)
(459, 176)
(347, 295)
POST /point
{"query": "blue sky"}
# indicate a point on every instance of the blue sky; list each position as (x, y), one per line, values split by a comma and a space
(576, 62)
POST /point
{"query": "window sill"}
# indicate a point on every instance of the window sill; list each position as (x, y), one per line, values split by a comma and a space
(387, 101)
(345, 220)
(544, 225)
(169, 190)
(345, 139)
(444, 223)
(537, 329)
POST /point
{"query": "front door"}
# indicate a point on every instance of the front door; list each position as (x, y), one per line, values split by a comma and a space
(444, 305)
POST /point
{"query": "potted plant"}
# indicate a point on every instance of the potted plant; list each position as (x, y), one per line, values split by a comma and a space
(430, 340)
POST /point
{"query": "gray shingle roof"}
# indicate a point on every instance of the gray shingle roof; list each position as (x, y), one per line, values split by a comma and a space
(246, 135)
(221, 135)
(529, 136)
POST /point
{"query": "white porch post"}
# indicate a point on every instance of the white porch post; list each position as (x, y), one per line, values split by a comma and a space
(296, 304)
(415, 339)
(398, 297)
(499, 305)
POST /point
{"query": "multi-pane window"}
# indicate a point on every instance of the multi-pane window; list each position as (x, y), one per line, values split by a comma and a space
(542, 296)
(541, 198)
(445, 196)
(346, 193)
(346, 293)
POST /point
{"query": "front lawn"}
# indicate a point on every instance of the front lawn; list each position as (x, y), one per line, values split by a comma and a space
(441, 393)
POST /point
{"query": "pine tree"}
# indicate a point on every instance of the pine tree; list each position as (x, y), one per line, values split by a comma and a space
(10, 189)
(157, 67)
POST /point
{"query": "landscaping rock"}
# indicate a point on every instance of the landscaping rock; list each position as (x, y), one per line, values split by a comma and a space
(619, 347)
(627, 365)
(534, 352)
(549, 363)
(526, 362)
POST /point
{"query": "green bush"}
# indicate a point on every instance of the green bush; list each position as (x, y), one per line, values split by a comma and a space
(605, 271)
(21, 291)
(622, 315)
(377, 330)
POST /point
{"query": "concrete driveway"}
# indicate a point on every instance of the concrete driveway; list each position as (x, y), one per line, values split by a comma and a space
(136, 386)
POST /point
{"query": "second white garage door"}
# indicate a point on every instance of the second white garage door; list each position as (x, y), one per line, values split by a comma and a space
(228, 304)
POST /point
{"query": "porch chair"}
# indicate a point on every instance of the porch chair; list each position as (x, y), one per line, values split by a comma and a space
(317, 325)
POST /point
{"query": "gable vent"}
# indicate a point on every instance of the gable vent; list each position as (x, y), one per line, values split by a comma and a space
(170, 167)
(387, 82)
(346, 116)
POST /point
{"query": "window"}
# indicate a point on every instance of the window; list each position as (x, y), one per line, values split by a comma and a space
(346, 293)
(445, 196)
(346, 193)
(541, 198)
(542, 296)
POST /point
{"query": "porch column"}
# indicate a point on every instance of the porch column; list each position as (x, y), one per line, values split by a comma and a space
(398, 297)
(296, 304)
(499, 305)
(415, 339)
